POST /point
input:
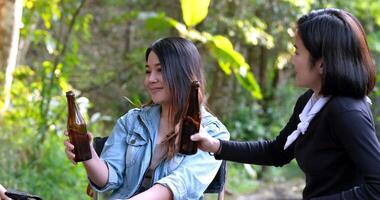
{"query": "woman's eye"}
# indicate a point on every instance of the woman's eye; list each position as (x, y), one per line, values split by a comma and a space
(147, 71)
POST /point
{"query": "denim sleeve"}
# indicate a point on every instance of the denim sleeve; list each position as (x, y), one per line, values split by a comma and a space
(195, 173)
(114, 156)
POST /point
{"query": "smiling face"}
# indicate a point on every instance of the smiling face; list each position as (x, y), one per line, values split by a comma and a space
(154, 82)
(308, 75)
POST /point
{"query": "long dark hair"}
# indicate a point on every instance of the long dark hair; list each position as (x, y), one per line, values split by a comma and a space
(180, 65)
(337, 37)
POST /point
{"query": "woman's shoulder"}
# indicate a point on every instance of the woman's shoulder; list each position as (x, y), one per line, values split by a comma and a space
(341, 104)
(213, 125)
(132, 114)
(207, 116)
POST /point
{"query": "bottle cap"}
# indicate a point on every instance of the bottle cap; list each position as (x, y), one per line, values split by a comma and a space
(195, 83)
(70, 93)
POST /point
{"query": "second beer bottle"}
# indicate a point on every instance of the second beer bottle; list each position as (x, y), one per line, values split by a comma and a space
(76, 127)
(191, 121)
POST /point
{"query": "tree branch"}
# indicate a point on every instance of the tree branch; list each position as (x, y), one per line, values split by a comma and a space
(11, 63)
(46, 101)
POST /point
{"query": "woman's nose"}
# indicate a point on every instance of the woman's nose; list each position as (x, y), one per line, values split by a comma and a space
(152, 77)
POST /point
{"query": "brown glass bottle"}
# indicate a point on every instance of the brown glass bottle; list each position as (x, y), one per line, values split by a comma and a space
(77, 130)
(191, 121)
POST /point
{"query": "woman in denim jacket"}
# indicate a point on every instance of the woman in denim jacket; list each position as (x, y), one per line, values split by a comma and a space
(140, 159)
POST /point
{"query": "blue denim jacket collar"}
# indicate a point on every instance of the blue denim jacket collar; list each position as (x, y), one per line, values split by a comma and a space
(150, 118)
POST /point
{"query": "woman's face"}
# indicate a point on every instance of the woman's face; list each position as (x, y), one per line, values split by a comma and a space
(307, 76)
(154, 82)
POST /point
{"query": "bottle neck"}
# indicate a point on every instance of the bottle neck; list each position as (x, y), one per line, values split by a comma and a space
(193, 108)
(71, 105)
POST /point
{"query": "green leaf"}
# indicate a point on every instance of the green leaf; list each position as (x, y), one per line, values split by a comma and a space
(221, 48)
(230, 60)
(157, 23)
(194, 11)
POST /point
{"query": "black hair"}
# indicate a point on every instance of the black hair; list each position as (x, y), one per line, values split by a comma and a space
(337, 37)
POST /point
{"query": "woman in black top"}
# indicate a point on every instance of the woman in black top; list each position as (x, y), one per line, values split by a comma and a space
(331, 132)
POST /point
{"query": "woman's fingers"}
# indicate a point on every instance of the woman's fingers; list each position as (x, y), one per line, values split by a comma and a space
(202, 136)
(71, 156)
(205, 141)
(69, 148)
(196, 137)
(90, 137)
(68, 145)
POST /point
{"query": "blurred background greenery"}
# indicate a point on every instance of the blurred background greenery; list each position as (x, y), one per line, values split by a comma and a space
(96, 48)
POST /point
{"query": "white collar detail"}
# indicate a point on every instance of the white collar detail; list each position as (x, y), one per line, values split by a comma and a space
(312, 107)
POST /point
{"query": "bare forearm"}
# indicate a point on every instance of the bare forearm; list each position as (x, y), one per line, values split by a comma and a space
(158, 192)
(2, 193)
(96, 170)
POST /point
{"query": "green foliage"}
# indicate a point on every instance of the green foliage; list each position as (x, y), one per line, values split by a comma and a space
(194, 11)
(32, 128)
(239, 181)
(230, 60)
(50, 175)
(159, 23)
(220, 48)
(97, 49)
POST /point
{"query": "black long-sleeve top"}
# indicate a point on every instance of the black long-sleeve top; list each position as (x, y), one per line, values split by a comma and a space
(339, 152)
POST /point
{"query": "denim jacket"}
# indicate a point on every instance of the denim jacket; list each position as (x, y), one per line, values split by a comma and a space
(128, 152)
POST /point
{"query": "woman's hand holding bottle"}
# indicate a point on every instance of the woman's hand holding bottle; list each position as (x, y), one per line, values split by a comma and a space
(205, 141)
(69, 147)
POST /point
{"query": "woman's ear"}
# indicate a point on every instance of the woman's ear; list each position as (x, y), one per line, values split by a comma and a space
(319, 65)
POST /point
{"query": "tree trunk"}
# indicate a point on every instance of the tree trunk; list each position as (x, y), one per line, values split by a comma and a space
(12, 55)
(6, 21)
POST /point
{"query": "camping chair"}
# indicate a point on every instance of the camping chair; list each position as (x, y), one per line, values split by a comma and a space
(216, 186)
(17, 195)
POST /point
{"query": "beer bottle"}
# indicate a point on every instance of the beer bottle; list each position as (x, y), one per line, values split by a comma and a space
(77, 130)
(191, 121)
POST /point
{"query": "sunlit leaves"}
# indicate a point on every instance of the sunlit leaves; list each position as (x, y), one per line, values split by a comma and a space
(221, 48)
(194, 11)
(29, 3)
(374, 41)
(305, 5)
(87, 19)
(255, 35)
(282, 60)
(51, 44)
(64, 84)
(181, 28)
(49, 12)
(23, 72)
(232, 61)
